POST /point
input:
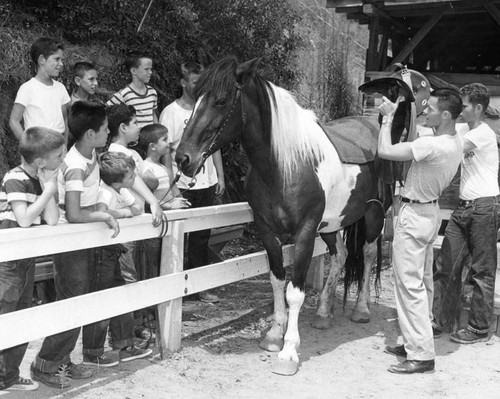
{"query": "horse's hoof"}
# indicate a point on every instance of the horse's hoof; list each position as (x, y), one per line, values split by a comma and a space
(322, 323)
(284, 367)
(271, 345)
(360, 317)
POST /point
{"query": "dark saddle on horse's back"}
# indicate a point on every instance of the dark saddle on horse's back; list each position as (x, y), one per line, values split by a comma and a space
(354, 137)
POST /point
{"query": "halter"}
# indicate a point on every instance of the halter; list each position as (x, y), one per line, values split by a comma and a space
(209, 151)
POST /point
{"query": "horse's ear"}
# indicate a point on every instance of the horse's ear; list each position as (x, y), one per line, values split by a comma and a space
(246, 70)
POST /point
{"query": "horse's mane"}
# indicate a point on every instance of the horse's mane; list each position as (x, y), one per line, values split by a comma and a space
(289, 128)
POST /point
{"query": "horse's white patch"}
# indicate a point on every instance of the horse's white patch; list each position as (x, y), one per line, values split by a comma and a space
(200, 99)
(337, 180)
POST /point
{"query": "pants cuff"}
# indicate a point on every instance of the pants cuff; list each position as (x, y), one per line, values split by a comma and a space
(50, 366)
(478, 330)
(123, 343)
(93, 352)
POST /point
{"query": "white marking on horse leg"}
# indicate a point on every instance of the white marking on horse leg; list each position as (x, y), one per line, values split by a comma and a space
(361, 312)
(295, 298)
(273, 341)
(323, 318)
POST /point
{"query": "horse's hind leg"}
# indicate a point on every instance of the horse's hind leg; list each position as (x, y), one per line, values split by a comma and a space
(338, 252)
(374, 219)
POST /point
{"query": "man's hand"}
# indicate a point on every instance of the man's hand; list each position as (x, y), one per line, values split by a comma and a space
(388, 108)
(48, 178)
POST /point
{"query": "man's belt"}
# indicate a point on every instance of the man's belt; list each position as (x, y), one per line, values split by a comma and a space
(412, 201)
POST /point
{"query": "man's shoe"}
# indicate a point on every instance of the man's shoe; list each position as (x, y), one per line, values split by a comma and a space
(436, 333)
(59, 379)
(207, 297)
(78, 371)
(398, 350)
(105, 360)
(466, 336)
(413, 366)
(133, 353)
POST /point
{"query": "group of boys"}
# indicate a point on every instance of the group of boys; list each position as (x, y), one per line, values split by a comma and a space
(84, 185)
(427, 301)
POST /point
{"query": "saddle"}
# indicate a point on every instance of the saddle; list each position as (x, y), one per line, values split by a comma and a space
(354, 138)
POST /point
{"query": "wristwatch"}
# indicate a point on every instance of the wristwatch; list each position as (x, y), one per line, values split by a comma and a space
(386, 119)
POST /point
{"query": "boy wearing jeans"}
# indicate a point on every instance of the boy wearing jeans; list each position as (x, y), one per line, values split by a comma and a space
(118, 175)
(26, 199)
(78, 186)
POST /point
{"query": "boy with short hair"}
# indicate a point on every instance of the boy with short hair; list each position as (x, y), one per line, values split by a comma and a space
(42, 101)
(118, 175)
(78, 184)
(26, 199)
(138, 92)
(85, 78)
(123, 131)
(153, 142)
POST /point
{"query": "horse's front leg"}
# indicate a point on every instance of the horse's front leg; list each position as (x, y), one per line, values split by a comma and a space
(288, 358)
(338, 252)
(273, 341)
(361, 312)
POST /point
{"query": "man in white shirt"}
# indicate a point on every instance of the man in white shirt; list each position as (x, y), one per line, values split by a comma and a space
(472, 229)
(209, 181)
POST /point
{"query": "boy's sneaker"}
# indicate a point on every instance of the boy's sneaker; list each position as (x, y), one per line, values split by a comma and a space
(105, 360)
(78, 371)
(466, 336)
(437, 333)
(22, 384)
(59, 379)
(133, 353)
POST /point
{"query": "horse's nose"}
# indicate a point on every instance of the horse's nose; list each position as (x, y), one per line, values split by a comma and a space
(182, 160)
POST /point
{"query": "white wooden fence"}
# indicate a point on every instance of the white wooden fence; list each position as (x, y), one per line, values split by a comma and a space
(166, 290)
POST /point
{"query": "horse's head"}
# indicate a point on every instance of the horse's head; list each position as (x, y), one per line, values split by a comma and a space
(218, 116)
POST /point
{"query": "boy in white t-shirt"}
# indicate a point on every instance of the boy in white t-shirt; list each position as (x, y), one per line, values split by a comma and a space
(123, 131)
(117, 177)
(42, 101)
(472, 229)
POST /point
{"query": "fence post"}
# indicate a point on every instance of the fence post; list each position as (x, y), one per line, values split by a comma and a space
(170, 313)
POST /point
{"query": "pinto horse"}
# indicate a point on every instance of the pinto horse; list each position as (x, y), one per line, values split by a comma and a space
(297, 184)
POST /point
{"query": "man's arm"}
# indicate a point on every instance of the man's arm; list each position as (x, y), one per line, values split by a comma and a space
(387, 150)
(65, 109)
(44, 204)
(16, 116)
(140, 188)
(468, 145)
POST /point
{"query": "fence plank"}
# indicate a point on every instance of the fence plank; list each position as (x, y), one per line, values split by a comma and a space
(170, 313)
(37, 322)
(19, 243)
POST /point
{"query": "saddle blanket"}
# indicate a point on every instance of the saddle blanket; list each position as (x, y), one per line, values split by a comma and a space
(354, 137)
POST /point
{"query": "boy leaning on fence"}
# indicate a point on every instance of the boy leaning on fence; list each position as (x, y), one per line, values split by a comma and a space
(78, 188)
(26, 199)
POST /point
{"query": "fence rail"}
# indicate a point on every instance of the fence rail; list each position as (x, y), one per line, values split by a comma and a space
(166, 291)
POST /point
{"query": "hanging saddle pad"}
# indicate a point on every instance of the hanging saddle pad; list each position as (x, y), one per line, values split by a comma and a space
(354, 137)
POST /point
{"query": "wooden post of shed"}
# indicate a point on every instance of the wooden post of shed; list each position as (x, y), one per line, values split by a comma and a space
(170, 313)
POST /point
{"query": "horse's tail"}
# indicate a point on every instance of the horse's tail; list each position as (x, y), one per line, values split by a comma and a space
(355, 238)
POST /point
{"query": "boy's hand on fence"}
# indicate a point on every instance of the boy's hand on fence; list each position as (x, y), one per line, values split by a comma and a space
(113, 225)
(178, 203)
(157, 214)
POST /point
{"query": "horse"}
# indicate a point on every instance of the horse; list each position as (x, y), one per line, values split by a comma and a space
(297, 185)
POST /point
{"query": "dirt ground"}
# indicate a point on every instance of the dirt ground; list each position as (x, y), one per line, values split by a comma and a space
(220, 357)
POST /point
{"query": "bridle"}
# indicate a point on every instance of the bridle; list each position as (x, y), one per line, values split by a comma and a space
(210, 150)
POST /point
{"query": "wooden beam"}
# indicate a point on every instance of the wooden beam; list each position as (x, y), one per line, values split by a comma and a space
(408, 48)
(493, 11)
(373, 11)
(371, 56)
(350, 3)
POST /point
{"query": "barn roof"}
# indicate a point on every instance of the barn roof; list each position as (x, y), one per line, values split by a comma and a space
(435, 35)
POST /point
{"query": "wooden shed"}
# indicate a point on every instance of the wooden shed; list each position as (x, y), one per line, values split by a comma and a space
(457, 41)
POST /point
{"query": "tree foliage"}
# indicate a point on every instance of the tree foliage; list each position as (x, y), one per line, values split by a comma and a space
(104, 31)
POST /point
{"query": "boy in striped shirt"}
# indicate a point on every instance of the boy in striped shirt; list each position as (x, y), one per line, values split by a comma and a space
(26, 199)
(138, 92)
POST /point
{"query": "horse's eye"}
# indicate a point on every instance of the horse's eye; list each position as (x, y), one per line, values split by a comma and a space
(221, 102)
